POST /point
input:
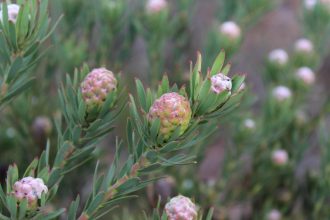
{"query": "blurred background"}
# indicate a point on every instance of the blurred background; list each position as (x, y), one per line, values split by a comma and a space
(268, 160)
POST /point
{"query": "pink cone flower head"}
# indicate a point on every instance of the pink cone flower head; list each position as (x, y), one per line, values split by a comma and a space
(97, 85)
(181, 208)
(281, 93)
(306, 75)
(280, 157)
(278, 57)
(231, 30)
(155, 6)
(173, 110)
(29, 188)
(274, 215)
(304, 46)
(220, 82)
(13, 10)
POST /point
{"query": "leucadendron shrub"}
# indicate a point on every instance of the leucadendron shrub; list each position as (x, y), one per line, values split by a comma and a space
(160, 130)
(162, 127)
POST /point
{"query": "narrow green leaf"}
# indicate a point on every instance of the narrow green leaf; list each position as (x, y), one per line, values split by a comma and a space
(96, 202)
(31, 168)
(218, 63)
(141, 94)
(72, 213)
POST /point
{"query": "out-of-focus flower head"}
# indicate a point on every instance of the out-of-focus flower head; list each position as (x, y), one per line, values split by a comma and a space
(278, 57)
(281, 93)
(230, 30)
(306, 75)
(156, 6)
(280, 157)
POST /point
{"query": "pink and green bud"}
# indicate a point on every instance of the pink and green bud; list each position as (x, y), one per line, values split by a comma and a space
(280, 157)
(13, 10)
(220, 83)
(173, 110)
(274, 215)
(310, 4)
(230, 30)
(181, 208)
(31, 189)
(96, 87)
(281, 93)
(278, 57)
(155, 6)
(305, 75)
(303, 46)
(42, 126)
(249, 124)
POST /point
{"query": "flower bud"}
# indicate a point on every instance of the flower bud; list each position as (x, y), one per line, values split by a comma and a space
(13, 10)
(280, 157)
(281, 93)
(220, 83)
(249, 124)
(95, 88)
(230, 30)
(306, 75)
(42, 124)
(303, 46)
(173, 110)
(31, 189)
(278, 57)
(310, 4)
(181, 208)
(274, 215)
(155, 6)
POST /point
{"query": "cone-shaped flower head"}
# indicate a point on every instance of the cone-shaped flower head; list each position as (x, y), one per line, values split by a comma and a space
(97, 85)
(274, 215)
(181, 208)
(173, 110)
(13, 10)
(278, 57)
(155, 6)
(306, 75)
(281, 93)
(29, 188)
(230, 30)
(280, 157)
(220, 82)
(303, 46)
